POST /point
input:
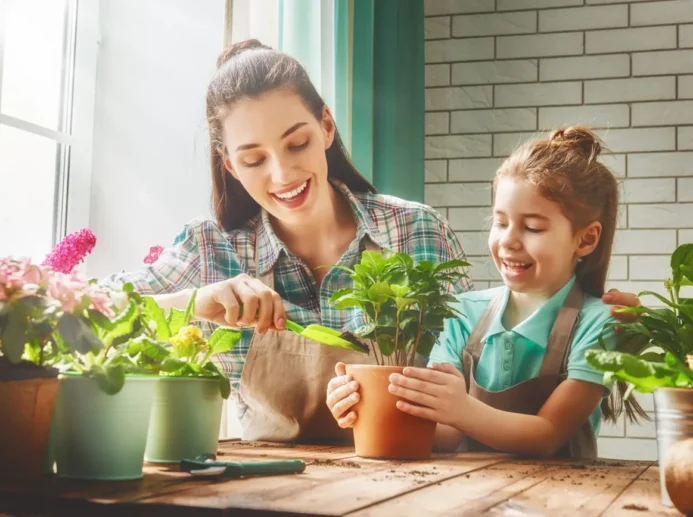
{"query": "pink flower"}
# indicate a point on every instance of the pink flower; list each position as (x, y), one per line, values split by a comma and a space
(71, 251)
(153, 255)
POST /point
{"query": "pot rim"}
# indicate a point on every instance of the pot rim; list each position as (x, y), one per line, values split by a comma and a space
(203, 378)
(128, 376)
(674, 389)
(383, 367)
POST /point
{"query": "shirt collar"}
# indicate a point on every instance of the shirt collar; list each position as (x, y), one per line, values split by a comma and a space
(537, 327)
(268, 246)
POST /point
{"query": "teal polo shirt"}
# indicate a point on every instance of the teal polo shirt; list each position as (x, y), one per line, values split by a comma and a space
(511, 356)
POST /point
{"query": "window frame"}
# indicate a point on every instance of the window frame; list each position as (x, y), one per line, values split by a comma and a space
(75, 134)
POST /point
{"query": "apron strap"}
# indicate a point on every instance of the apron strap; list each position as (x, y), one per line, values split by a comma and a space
(475, 345)
(561, 337)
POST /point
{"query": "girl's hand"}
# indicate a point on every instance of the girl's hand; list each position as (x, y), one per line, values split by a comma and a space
(241, 301)
(436, 394)
(342, 394)
(619, 300)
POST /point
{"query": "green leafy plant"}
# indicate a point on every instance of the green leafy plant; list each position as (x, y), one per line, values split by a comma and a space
(169, 345)
(655, 350)
(404, 304)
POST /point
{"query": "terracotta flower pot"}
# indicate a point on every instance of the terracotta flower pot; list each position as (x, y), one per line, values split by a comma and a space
(26, 411)
(381, 430)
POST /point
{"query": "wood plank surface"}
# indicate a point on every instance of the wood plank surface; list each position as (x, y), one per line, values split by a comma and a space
(337, 482)
(641, 498)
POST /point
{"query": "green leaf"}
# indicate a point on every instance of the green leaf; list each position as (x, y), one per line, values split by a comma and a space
(15, 337)
(149, 348)
(400, 291)
(645, 376)
(123, 325)
(687, 272)
(223, 340)
(190, 309)
(128, 287)
(450, 264)
(175, 320)
(110, 379)
(172, 365)
(379, 292)
(154, 313)
(224, 386)
(77, 334)
(373, 260)
(366, 331)
(426, 342)
(386, 343)
(682, 256)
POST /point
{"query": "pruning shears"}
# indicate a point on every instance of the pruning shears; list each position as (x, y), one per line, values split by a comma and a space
(206, 465)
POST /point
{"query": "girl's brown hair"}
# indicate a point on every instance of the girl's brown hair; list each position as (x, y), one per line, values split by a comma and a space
(249, 69)
(565, 169)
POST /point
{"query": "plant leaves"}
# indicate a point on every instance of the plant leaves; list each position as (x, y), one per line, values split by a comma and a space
(123, 325)
(643, 375)
(175, 320)
(153, 312)
(15, 337)
(77, 334)
(110, 379)
(172, 365)
(223, 340)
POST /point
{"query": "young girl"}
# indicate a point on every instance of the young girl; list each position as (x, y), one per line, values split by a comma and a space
(510, 374)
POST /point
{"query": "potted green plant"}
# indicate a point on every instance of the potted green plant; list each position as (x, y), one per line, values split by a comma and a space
(104, 404)
(186, 414)
(43, 315)
(655, 355)
(404, 306)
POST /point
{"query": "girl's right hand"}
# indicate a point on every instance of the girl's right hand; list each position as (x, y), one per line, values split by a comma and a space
(342, 394)
(241, 301)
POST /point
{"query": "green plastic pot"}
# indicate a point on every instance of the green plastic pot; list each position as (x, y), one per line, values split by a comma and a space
(100, 436)
(186, 416)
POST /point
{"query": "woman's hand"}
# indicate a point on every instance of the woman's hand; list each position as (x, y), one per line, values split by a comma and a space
(241, 301)
(620, 300)
(342, 394)
(436, 394)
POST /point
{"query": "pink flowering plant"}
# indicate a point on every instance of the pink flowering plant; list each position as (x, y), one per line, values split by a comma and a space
(45, 314)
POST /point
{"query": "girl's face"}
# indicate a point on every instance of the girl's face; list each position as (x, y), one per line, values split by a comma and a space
(276, 148)
(533, 244)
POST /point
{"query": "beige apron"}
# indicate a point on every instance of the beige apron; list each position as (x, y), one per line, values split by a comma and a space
(284, 386)
(529, 396)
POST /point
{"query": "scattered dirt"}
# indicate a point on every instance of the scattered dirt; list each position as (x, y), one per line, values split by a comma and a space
(260, 445)
(606, 463)
(421, 473)
(578, 467)
(333, 463)
(636, 507)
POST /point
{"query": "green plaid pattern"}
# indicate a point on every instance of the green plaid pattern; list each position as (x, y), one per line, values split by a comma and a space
(204, 254)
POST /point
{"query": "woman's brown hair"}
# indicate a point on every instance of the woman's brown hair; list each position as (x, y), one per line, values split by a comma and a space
(565, 169)
(249, 69)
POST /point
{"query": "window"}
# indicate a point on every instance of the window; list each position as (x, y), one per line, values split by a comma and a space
(48, 54)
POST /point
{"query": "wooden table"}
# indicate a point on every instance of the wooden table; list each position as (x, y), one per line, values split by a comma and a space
(336, 482)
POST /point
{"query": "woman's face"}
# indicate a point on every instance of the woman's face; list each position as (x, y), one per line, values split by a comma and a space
(276, 148)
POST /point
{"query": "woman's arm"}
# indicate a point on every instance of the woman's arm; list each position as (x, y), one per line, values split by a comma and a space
(440, 394)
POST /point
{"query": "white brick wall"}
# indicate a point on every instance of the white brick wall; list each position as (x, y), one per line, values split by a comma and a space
(499, 72)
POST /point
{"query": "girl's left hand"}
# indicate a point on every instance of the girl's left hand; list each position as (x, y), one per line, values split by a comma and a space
(436, 393)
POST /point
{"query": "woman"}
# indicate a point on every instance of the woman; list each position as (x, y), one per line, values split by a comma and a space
(287, 200)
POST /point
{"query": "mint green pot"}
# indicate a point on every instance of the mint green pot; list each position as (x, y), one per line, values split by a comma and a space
(186, 416)
(99, 436)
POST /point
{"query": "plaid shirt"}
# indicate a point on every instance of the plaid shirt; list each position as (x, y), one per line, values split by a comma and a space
(204, 254)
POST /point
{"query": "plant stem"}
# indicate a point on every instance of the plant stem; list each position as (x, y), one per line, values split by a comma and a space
(418, 336)
(398, 354)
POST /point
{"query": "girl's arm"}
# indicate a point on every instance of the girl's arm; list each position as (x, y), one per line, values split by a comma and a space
(440, 394)
(448, 439)
(568, 407)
